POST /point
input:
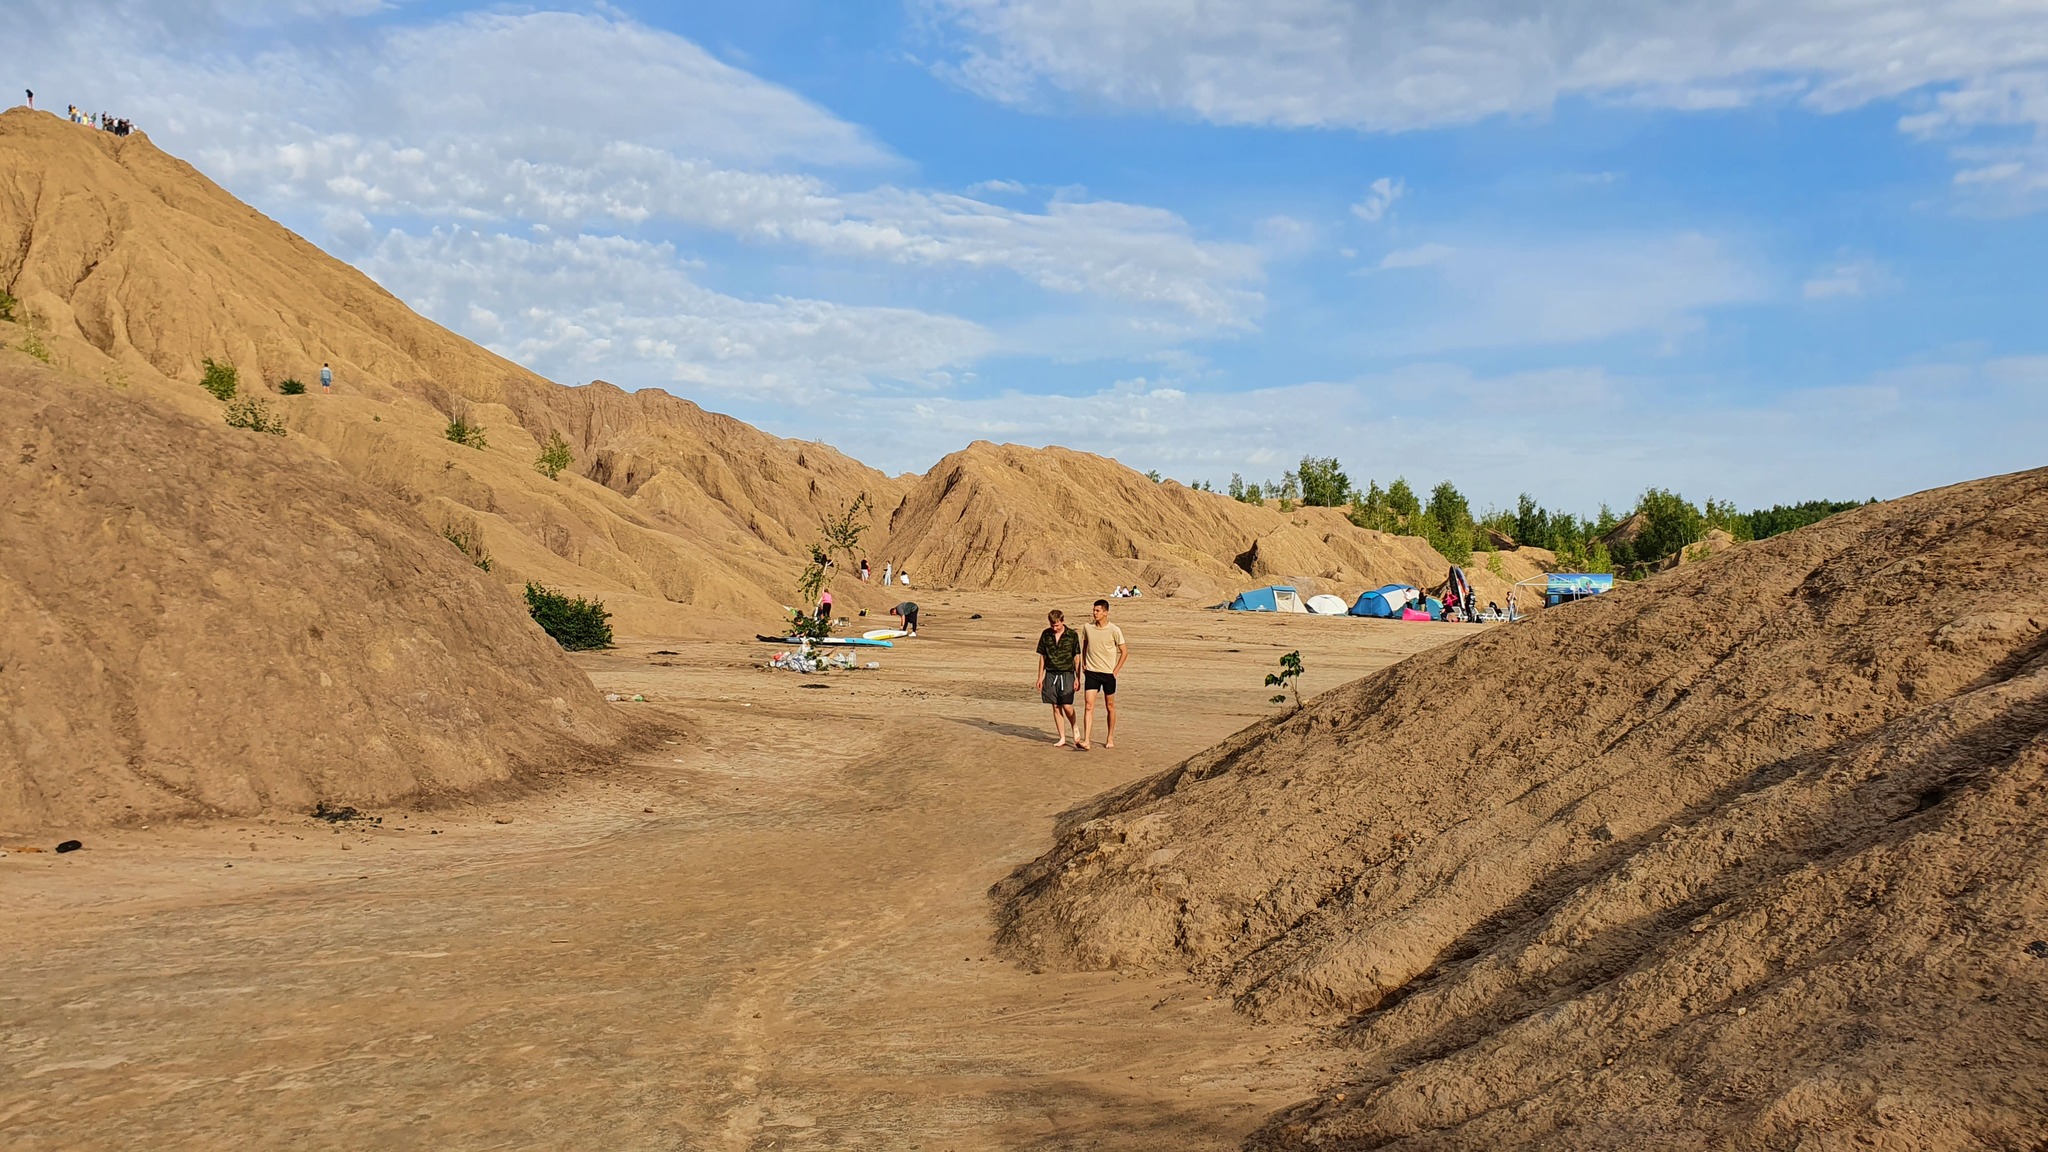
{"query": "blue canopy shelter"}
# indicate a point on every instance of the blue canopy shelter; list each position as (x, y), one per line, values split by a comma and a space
(1565, 587)
(1273, 598)
(1385, 602)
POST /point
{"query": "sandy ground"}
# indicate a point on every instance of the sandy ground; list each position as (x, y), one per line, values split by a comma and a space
(772, 934)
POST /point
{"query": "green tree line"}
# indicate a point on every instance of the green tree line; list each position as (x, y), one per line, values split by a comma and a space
(1670, 522)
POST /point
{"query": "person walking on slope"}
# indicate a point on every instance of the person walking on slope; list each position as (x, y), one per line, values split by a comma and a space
(825, 605)
(888, 570)
(1103, 653)
(1059, 648)
(326, 378)
(863, 569)
(906, 616)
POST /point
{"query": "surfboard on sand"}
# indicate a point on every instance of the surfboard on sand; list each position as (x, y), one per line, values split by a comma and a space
(884, 634)
(842, 641)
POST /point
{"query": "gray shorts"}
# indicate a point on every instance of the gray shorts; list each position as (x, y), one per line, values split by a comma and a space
(1058, 689)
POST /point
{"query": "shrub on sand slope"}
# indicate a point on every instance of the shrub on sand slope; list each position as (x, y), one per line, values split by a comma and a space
(576, 624)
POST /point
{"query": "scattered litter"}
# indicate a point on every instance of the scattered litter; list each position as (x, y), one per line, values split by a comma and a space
(69, 846)
(23, 848)
(812, 661)
(639, 699)
(340, 814)
(613, 697)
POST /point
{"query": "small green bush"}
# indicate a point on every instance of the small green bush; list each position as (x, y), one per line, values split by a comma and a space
(576, 624)
(468, 539)
(254, 415)
(32, 337)
(463, 432)
(219, 379)
(7, 303)
(290, 387)
(554, 456)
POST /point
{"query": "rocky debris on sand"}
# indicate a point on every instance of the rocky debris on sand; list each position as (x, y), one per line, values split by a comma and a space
(70, 846)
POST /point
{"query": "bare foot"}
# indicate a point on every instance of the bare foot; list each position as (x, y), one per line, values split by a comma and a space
(1082, 746)
(1109, 743)
(1060, 743)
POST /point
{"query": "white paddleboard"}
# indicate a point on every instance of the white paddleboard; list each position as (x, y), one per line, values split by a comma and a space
(884, 634)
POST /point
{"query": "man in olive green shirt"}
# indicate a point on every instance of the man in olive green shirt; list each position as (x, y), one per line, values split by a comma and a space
(1059, 650)
(1103, 653)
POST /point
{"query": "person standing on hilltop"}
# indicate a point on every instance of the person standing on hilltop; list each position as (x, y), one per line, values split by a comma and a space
(326, 378)
(31, 98)
(1059, 648)
(1103, 653)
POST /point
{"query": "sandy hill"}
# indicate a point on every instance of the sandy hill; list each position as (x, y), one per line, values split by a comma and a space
(196, 619)
(1747, 855)
(1003, 516)
(681, 519)
(141, 268)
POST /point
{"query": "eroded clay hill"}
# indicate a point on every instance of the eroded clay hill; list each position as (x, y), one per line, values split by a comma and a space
(1750, 852)
(1002, 516)
(198, 620)
(140, 268)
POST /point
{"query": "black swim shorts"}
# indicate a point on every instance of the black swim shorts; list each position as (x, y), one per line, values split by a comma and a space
(1103, 682)
(1058, 689)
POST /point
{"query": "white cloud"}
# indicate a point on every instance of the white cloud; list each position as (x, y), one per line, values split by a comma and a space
(1379, 197)
(1393, 65)
(996, 187)
(628, 128)
(1420, 256)
(1849, 278)
(573, 307)
(1566, 292)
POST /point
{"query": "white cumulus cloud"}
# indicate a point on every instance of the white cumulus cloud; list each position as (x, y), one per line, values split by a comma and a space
(1395, 65)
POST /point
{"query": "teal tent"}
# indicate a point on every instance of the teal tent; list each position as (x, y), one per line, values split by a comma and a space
(1273, 598)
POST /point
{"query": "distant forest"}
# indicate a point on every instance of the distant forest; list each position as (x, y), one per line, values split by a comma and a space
(1669, 523)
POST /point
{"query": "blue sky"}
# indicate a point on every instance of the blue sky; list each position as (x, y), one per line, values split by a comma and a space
(1766, 253)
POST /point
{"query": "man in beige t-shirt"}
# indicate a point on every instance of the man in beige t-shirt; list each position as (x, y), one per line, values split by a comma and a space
(1103, 653)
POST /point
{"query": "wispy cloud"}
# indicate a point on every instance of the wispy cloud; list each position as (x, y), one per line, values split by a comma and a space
(1849, 278)
(1411, 64)
(1379, 197)
(1570, 290)
(574, 307)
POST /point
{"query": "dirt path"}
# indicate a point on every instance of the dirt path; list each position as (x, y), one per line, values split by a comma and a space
(774, 936)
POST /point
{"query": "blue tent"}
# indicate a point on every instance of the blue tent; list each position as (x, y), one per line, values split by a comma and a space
(1274, 598)
(1564, 587)
(1385, 602)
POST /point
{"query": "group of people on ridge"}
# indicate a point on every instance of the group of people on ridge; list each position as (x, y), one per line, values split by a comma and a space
(105, 123)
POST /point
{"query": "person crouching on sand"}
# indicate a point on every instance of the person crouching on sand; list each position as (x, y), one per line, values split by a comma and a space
(1103, 653)
(1059, 648)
